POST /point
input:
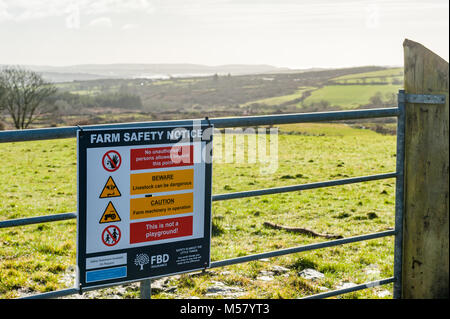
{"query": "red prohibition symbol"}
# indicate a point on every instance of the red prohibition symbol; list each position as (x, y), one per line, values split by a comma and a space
(111, 235)
(111, 161)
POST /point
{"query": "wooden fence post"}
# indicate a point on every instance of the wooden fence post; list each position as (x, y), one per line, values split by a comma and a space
(426, 228)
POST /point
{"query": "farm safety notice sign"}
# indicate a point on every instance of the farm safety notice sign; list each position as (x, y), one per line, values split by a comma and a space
(144, 202)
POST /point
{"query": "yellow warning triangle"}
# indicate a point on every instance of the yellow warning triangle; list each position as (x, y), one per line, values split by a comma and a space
(110, 215)
(110, 189)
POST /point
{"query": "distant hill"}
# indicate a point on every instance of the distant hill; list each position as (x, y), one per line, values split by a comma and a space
(152, 71)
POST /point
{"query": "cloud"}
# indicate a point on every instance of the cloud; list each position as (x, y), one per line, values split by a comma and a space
(102, 22)
(4, 15)
(116, 6)
(23, 10)
(129, 26)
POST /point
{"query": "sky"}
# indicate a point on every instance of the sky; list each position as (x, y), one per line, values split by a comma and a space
(284, 33)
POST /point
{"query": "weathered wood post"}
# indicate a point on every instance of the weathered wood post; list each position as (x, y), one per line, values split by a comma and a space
(426, 212)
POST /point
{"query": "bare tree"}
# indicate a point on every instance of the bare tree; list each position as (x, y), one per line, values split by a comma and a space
(24, 93)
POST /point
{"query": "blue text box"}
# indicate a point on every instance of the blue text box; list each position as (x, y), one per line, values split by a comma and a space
(106, 274)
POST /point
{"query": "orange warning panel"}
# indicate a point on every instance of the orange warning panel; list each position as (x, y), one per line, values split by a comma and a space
(110, 214)
(148, 183)
(110, 189)
(161, 205)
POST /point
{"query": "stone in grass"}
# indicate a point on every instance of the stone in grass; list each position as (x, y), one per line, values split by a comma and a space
(265, 275)
(265, 278)
(383, 293)
(268, 275)
(372, 270)
(162, 285)
(220, 289)
(278, 270)
(311, 274)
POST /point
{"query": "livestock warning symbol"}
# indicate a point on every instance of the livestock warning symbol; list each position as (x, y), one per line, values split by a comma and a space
(110, 215)
(111, 235)
(111, 161)
(110, 189)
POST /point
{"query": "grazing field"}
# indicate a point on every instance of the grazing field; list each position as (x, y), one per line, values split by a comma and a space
(277, 100)
(388, 75)
(359, 88)
(344, 92)
(349, 96)
(39, 178)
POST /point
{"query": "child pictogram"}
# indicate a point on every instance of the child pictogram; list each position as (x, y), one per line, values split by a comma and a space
(111, 235)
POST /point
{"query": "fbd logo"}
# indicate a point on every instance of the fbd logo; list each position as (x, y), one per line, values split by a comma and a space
(141, 260)
(159, 259)
(156, 260)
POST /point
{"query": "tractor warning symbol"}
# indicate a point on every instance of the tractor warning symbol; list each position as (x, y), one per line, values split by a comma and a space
(111, 235)
(110, 189)
(111, 161)
(110, 215)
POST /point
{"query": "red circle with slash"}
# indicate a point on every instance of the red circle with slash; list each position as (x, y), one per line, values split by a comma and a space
(111, 235)
(111, 161)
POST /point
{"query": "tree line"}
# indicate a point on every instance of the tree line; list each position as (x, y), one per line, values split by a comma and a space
(69, 103)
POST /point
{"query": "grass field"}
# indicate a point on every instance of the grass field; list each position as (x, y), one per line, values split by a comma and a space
(277, 100)
(349, 96)
(356, 92)
(359, 89)
(39, 178)
(389, 73)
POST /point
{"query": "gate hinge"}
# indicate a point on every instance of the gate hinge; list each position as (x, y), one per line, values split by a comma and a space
(420, 98)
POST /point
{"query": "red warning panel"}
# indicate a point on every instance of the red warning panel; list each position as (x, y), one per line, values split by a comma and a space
(160, 229)
(160, 157)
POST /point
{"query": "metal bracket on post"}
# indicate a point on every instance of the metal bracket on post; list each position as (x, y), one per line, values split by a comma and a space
(421, 98)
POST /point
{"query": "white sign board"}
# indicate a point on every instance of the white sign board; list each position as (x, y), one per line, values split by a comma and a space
(144, 202)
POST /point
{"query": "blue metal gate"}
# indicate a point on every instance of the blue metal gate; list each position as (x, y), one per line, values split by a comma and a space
(399, 112)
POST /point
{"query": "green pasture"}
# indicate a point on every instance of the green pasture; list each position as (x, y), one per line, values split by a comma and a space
(349, 96)
(277, 100)
(388, 73)
(357, 91)
(38, 178)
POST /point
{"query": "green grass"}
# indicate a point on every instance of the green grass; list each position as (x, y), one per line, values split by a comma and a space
(394, 72)
(358, 90)
(277, 100)
(349, 96)
(39, 178)
(321, 129)
(86, 92)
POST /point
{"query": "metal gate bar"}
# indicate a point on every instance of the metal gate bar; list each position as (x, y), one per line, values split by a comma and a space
(399, 196)
(301, 187)
(300, 249)
(69, 132)
(337, 292)
(37, 219)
